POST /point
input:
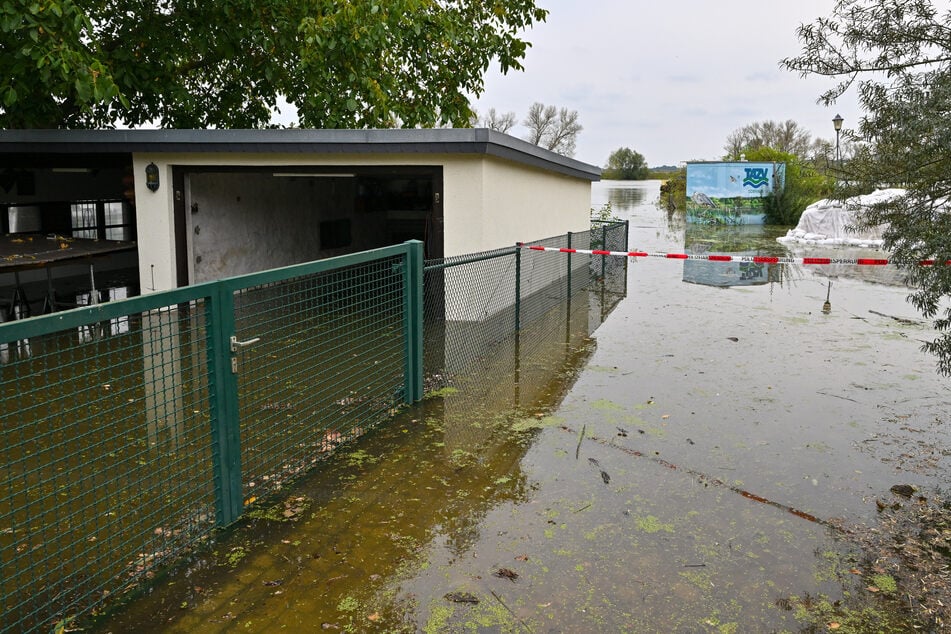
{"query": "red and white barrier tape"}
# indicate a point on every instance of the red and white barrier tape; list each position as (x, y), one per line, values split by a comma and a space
(758, 259)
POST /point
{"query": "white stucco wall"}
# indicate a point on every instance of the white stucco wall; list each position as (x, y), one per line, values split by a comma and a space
(513, 203)
(155, 227)
(488, 202)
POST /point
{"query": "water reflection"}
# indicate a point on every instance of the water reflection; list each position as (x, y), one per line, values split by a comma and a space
(426, 481)
(622, 195)
(749, 240)
(754, 240)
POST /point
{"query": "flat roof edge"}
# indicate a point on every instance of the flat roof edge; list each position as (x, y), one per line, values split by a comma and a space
(295, 141)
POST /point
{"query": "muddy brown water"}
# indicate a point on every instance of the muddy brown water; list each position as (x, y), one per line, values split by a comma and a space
(686, 468)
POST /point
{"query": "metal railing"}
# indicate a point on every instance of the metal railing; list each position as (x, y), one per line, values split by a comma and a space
(130, 430)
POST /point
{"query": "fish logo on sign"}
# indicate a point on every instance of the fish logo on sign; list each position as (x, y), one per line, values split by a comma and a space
(756, 177)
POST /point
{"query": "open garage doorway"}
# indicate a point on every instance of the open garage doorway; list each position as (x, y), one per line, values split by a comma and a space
(235, 220)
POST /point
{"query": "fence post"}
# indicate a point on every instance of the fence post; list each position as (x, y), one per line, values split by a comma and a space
(413, 321)
(518, 287)
(604, 245)
(225, 423)
(569, 268)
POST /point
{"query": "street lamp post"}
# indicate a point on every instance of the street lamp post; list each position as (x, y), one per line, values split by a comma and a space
(837, 122)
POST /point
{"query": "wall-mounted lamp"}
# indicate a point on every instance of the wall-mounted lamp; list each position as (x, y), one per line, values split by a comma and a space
(152, 177)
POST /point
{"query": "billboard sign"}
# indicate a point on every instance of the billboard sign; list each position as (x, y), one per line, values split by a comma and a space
(731, 192)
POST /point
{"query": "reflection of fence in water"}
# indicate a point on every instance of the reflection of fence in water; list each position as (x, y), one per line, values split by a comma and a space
(526, 286)
(526, 372)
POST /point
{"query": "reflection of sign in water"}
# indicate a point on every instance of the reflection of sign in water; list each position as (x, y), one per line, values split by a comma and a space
(731, 193)
(741, 244)
(728, 273)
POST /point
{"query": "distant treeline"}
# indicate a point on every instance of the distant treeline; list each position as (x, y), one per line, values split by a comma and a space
(663, 172)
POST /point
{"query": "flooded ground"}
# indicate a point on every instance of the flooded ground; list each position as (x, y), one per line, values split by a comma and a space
(698, 465)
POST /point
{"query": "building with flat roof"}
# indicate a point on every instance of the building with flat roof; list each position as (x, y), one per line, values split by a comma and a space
(198, 205)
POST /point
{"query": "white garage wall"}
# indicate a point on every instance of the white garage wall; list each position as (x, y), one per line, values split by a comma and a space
(488, 202)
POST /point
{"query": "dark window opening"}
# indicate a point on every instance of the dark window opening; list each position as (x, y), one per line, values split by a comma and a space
(102, 220)
(335, 234)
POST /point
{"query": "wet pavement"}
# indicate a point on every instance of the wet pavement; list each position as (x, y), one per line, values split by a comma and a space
(696, 465)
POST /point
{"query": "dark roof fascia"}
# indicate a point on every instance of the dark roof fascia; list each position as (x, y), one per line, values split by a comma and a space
(294, 141)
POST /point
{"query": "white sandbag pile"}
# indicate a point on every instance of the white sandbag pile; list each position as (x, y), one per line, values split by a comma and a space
(830, 222)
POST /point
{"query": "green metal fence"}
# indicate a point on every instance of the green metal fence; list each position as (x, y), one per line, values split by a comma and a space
(130, 430)
(476, 301)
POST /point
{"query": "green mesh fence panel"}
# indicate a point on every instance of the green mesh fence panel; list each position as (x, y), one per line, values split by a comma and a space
(127, 435)
(328, 366)
(107, 459)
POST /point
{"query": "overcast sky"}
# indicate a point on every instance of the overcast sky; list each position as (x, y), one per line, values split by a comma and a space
(668, 79)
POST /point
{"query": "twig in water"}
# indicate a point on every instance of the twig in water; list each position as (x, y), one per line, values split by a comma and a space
(515, 616)
(580, 438)
(844, 398)
(585, 507)
(901, 320)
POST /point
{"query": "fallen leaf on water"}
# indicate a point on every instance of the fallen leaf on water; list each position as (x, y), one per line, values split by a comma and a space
(521, 558)
(505, 573)
(665, 416)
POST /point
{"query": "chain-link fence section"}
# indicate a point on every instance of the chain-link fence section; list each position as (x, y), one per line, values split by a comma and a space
(474, 302)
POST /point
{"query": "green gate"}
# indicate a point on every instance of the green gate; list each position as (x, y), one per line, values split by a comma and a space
(130, 430)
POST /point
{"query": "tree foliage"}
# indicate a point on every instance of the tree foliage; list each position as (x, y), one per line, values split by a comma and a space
(897, 54)
(553, 128)
(626, 164)
(178, 63)
(785, 136)
(803, 185)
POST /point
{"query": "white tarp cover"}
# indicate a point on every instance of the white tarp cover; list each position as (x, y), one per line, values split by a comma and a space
(827, 222)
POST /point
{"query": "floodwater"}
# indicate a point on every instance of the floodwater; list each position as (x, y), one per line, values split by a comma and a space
(695, 465)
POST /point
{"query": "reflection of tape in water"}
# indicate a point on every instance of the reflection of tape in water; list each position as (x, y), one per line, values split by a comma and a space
(757, 259)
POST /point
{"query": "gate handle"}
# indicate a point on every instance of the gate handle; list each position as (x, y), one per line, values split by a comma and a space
(235, 344)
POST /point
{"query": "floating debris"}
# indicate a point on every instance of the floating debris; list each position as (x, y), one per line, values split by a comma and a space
(462, 597)
(506, 573)
(904, 490)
